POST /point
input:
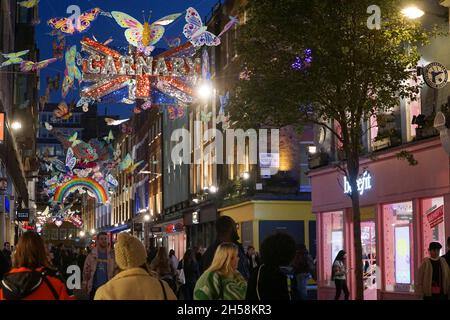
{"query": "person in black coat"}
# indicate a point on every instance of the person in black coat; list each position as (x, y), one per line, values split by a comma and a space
(226, 232)
(446, 256)
(274, 280)
(4, 265)
(191, 272)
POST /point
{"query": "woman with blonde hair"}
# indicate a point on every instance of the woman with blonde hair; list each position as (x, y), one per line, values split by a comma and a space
(163, 268)
(222, 281)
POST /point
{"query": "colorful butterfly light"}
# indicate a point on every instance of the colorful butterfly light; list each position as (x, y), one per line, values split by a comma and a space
(143, 35)
(72, 72)
(62, 111)
(196, 32)
(69, 26)
(114, 122)
(175, 112)
(13, 58)
(233, 21)
(127, 165)
(206, 117)
(27, 66)
(28, 3)
(173, 42)
(71, 161)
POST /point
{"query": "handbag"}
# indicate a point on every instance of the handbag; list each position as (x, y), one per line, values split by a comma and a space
(181, 277)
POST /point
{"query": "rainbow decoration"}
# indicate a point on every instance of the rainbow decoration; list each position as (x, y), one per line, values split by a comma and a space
(70, 186)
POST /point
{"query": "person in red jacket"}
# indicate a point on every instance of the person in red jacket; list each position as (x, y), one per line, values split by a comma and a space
(31, 278)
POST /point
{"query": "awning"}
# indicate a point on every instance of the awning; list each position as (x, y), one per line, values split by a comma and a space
(118, 228)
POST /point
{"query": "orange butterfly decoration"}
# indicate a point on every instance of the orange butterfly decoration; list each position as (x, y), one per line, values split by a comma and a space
(62, 111)
(70, 26)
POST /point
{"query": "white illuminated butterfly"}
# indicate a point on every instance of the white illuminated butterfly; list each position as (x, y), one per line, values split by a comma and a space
(196, 32)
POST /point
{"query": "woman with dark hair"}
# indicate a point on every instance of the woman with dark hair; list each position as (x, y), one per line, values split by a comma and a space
(274, 280)
(304, 269)
(339, 275)
(188, 266)
(31, 278)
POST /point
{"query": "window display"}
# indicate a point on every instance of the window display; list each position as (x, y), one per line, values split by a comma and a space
(333, 239)
(433, 227)
(398, 246)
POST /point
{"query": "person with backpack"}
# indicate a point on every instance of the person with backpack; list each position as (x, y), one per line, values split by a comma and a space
(304, 269)
(134, 281)
(31, 278)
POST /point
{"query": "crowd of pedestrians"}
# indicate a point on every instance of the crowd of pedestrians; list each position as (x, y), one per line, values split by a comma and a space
(127, 271)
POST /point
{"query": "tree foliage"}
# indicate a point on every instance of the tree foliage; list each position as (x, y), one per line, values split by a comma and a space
(356, 73)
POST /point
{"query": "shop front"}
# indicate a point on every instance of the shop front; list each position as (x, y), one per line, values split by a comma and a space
(257, 219)
(201, 226)
(403, 209)
(171, 235)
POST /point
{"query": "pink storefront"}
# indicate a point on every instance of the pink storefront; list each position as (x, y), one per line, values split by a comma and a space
(403, 208)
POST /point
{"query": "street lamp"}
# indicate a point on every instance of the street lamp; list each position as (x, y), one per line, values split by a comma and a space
(246, 175)
(312, 149)
(16, 125)
(82, 233)
(213, 189)
(147, 217)
(92, 231)
(412, 12)
(205, 90)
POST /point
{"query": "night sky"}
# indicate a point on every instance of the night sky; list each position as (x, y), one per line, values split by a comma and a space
(105, 27)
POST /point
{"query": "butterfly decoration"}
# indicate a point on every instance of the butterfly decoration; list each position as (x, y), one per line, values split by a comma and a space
(53, 83)
(233, 21)
(127, 165)
(84, 103)
(62, 111)
(83, 173)
(48, 167)
(58, 48)
(112, 181)
(147, 34)
(206, 73)
(146, 50)
(245, 74)
(173, 42)
(114, 122)
(74, 139)
(302, 62)
(196, 32)
(70, 26)
(72, 72)
(223, 104)
(146, 105)
(106, 14)
(28, 3)
(206, 117)
(175, 112)
(13, 58)
(109, 137)
(59, 35)
(26, 66)
(71, 161)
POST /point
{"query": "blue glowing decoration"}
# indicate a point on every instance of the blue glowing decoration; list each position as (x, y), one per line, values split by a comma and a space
(302, 62)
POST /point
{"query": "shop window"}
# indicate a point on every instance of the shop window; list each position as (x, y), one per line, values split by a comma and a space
(333, 241)
(398, 246)
(433, 223)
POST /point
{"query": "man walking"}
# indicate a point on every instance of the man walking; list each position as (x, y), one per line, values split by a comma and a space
(434, 276)
(99, 266)
(226, 232)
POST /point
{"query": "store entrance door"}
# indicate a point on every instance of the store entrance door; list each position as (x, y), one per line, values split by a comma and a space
(368, 241)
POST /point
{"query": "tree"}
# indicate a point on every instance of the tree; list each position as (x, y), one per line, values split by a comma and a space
(356, 73)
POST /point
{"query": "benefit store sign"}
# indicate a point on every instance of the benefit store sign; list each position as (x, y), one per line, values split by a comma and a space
(364, 183)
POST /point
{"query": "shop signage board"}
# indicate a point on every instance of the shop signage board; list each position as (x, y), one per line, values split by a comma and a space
(364, 183)
(269, 164)
(23, 214)
(436, 216)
